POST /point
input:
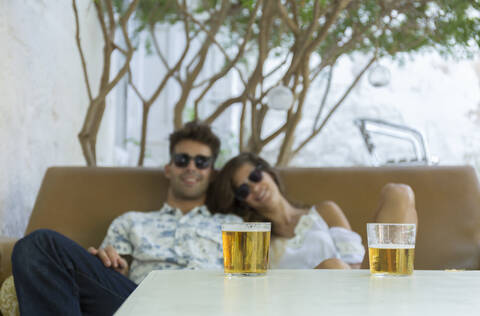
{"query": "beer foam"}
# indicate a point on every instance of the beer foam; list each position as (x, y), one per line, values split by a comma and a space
(391, 246)
(247, 227)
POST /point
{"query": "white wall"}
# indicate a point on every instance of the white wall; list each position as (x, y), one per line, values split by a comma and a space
(43, 98)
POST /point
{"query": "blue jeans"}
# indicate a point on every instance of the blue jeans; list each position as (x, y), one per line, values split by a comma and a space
(55, 276)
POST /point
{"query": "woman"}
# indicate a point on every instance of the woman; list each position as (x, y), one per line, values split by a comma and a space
(319, 236)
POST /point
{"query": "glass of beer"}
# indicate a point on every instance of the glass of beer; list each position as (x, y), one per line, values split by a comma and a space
(245, 248)
(391, 248)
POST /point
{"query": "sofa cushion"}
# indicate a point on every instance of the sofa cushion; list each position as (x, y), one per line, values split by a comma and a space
(8, 298)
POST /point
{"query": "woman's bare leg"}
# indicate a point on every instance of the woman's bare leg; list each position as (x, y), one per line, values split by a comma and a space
(396, 205)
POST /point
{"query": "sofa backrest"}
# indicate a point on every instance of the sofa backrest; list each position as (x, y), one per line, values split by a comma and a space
(447, 201)
(80, 202)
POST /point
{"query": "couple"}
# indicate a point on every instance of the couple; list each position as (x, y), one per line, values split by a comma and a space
(55, 276)
(303, 237)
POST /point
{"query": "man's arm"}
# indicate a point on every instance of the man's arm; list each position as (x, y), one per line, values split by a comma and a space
(111, 259)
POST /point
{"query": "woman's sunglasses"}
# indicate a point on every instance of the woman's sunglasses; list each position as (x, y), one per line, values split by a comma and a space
(201, 162)
(242, 192)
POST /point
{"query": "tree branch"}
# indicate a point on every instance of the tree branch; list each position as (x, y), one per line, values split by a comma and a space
(293, 4)
(80, 50)
(121, 50)
(111, 18)
(91, 124)
(242, 127)
(272, 136)
(324, 98)
(277, 67)
(88, 134)
(202, 54)
(306, 46)
(157, 47)
(177, 66)
(322, 34)
(286, 153)
(231, 63)
(265, 25)
(335, 107)
(134, 87)
(222, 107)
(125, 67)
(292, 25)
(316, 14)
(107, 50)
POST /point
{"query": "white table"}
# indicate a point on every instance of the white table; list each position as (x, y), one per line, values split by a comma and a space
(306, 292)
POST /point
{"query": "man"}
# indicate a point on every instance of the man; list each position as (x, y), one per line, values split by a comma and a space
(55, 276)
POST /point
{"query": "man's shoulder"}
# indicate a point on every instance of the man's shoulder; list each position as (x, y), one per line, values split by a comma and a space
(227, 218)
(136, 215)
(223, 217)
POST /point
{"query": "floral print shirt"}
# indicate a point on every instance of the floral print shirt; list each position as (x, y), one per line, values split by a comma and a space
(169, 239)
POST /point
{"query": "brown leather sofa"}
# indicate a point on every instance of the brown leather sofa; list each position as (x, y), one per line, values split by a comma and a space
(80, 202)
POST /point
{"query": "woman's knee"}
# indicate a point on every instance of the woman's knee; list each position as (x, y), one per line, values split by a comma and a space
(398, 193)
(397, 204)
(333, 214)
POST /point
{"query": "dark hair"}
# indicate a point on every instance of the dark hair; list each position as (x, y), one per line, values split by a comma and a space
(198, 132)
(221, 197)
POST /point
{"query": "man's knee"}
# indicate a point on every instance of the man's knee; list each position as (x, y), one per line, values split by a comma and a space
(25, 248)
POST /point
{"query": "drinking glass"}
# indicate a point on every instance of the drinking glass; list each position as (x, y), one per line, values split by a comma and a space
(245, 248)
(391, 248)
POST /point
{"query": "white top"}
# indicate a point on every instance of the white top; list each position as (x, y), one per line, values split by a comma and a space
(314, 242)
(305, 292)
(169, 239)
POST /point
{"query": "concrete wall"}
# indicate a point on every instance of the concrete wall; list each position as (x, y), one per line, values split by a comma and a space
(43, 98)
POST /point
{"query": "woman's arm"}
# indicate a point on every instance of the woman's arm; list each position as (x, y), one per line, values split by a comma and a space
(333, 215)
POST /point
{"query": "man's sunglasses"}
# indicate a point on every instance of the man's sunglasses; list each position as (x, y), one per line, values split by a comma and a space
(242, 192)
(201, 162)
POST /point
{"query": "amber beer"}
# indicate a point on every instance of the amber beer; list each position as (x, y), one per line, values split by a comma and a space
(391, 259)
(391, 248)
(245, 248)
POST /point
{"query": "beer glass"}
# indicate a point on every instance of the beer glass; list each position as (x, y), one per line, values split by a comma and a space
(245, 248)
(391, 248)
